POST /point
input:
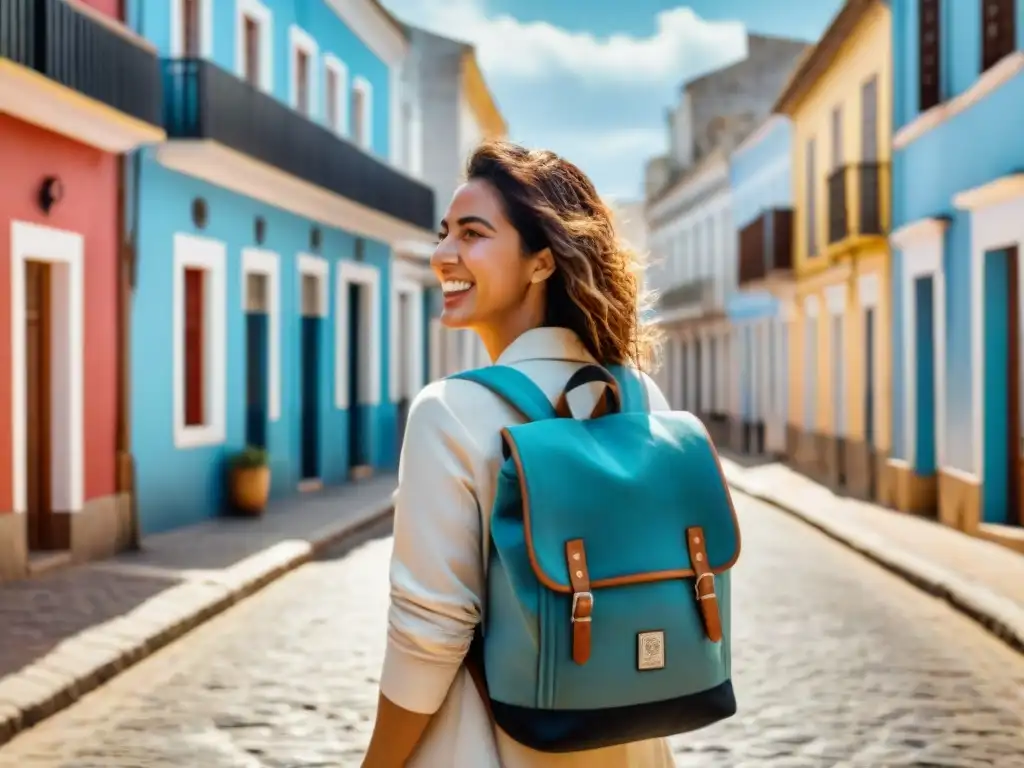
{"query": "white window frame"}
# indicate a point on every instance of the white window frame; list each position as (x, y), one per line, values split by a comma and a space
(300, 40)
(333, 64)
(192, 252)
(65, 252)
(368, 277)
(205, 34)
(264, 19)
(363, 87)
(413, 330)
(256, 261)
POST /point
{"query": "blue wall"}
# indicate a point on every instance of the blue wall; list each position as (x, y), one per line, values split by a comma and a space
(152, 18)
(969, 149)
(760, 174)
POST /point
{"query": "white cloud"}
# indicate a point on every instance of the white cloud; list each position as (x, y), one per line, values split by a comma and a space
(682, 44)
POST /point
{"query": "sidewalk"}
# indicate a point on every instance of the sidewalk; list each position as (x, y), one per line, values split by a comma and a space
(982, 579)
(66, 633)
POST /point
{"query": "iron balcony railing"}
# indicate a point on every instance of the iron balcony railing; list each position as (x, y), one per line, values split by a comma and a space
(699, 293)
(855, 201)
(204, 101)
(82, 53)
(766, 245)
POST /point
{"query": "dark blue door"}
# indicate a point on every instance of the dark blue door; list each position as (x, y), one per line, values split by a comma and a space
(356, 443)
(256, 379)
(310, 397)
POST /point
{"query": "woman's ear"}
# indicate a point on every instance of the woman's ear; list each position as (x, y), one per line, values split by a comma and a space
(543, 266)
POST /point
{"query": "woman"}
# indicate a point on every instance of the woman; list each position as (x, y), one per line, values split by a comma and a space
(528, 259)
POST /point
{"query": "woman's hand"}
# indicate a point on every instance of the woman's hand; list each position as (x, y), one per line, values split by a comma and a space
(396, 733)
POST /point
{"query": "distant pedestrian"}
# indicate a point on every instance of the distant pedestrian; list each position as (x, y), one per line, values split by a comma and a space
(528, 259)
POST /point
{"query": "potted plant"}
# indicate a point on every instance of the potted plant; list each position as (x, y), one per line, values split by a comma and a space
(250, 480)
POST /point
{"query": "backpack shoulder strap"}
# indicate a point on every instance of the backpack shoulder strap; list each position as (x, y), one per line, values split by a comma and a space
(632, 387)
(514, 387)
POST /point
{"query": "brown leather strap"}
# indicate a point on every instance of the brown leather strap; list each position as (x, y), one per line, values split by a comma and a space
(704, 588)
(582, 600)
(610, 400)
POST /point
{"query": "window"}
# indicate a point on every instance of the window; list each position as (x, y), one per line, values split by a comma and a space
(335, 90)
(928, 52)
(190, 29)
(251, 33)
(998, 31)
(199, 341)
(362, 105)
(253, 44)
(837, 137)
(869, 120)
(810, 191)
(304, 54)
(195, 346)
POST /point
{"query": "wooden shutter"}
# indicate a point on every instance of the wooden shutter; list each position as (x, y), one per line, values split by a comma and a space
(190, 29)
(195, 346)
(811, 224)
(869, 121)
(929, 28)
(998, 31)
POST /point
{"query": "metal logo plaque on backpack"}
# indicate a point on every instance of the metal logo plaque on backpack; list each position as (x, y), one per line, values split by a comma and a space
(612, 541)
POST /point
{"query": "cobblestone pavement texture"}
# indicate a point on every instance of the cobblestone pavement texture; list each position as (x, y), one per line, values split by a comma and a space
(838, 663)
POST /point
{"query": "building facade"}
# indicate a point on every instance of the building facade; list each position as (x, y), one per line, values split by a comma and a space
(77, 89)
(839, 102)
(958, 216)
(264, 309)
(762, 214)
(455, 112)
(689, 222)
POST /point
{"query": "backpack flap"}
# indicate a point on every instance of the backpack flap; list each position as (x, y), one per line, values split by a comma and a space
(612, 541)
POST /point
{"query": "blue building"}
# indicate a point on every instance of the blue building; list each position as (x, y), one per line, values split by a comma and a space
(265, 312)
(762, 212)
(958, 221)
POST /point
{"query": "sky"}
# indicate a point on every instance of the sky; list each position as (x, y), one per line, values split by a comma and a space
(593, 79)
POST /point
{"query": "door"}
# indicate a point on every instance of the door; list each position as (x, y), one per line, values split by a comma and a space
(356, 362)
(869, 399)
(257, 372)
(310, 379)
(38, 340)
(405, 361)
(838, 410)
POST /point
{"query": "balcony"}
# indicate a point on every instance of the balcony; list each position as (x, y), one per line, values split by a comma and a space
(857, 207)
(71, 70)
(766, 246)
(224, 131)
(694, 298)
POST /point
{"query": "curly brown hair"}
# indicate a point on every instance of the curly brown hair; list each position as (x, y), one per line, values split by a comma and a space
(595, 290)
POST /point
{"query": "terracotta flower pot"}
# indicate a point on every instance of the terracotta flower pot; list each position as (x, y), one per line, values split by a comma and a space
(250, 489)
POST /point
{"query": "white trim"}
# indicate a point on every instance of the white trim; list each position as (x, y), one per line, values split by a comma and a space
(987, 83)
(374, 26)
(210, 255)
(340, 70)
(205, 33)
(231, 169)
(300, 40)
(260, 262)
(835, 299)
(395, 118)
(868, 291)
(65, 251)
(413, 331)
(811, 306)
(368, 277)
(363, 87)
(997, 221)
(318, 267)
(921, 245)
(33, 98)
(265, 20)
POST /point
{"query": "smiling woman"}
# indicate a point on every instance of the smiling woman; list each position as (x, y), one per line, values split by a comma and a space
(528, 259)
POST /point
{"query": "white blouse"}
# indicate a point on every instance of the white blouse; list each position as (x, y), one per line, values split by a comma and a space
(449, 464)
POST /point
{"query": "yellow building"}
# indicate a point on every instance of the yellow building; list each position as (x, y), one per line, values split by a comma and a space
(838, 99)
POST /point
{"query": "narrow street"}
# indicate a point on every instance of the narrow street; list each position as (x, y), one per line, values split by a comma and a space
(838, 663)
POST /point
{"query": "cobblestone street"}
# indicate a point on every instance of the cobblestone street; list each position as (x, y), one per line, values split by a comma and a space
(838, 663)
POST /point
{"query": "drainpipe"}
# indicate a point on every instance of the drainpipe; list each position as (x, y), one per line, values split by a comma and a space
(125, 284)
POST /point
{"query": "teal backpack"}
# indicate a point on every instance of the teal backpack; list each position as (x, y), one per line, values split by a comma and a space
(611, 544)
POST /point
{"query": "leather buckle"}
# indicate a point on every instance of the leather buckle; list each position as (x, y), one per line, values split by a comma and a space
(576, 597)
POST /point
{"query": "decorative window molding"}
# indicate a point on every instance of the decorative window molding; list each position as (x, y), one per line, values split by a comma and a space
(191, 252)
(65, 252)
(264, 19)
(205, 29)
(368, 277)
(334, 65)
(300, 40)
(266, 263)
